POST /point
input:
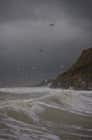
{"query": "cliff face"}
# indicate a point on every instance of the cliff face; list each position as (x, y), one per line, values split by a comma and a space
(79, 76)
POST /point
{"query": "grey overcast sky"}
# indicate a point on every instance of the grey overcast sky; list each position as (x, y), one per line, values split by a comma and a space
(32, 49)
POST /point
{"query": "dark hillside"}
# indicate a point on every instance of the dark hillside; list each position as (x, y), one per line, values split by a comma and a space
(79, 76)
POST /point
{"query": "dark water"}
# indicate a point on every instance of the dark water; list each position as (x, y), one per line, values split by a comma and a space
(45, 114)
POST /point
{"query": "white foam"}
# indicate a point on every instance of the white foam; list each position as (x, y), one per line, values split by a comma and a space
(22, 90)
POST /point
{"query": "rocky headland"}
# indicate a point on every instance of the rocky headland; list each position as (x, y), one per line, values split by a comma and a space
(79, 75)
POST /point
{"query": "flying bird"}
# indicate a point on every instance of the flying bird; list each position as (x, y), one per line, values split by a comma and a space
(42, 51)
(51, 24)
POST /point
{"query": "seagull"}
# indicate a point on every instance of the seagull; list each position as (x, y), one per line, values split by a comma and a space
(51, 24)
(43, 51)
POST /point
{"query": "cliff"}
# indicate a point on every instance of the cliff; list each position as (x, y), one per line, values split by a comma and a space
(79, 76)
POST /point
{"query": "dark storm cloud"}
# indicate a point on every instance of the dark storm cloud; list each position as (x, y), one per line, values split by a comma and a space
(30, 47)
(28, 9)
(80, 8)
(12, 9)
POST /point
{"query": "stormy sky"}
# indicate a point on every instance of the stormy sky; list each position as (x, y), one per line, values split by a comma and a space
(40, 38)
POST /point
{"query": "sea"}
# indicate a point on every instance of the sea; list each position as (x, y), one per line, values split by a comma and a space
(43, 113)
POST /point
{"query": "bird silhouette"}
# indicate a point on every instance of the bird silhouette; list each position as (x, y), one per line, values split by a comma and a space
(51, 24)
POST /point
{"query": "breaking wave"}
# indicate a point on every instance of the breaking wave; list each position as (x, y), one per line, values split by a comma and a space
(41, 113)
